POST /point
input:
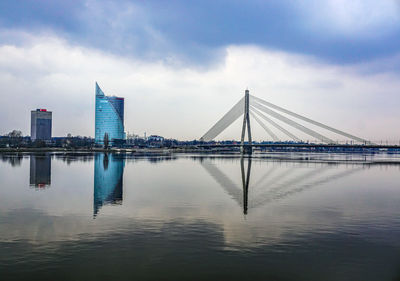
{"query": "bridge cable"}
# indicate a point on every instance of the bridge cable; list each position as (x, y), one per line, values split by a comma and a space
(274, 137)
(308, 120)
(286, 132)
(231, 116)
(291, 122)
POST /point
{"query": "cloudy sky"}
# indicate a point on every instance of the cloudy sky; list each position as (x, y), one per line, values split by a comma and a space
(182, 64)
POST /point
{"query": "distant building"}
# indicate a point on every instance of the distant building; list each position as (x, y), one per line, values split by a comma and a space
(109, 117)
(155, 138)
(41, 122)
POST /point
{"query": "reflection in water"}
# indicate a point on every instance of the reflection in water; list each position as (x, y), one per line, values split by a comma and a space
(70, 157)
(40, 170)
(245, 183)
(277, 187)
(306, 220)
(295, 186)
(13, 159)
(108, 175)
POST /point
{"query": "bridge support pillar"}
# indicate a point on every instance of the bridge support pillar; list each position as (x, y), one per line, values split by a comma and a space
(246, 149)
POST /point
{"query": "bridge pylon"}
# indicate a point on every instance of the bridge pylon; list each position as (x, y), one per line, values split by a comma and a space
(246, 124)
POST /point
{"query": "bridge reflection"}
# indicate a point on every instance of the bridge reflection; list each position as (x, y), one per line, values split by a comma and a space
(273, 186)
(108, 181)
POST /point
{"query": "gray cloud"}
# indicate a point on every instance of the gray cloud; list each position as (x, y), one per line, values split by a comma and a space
(183, 102)
(193, 33)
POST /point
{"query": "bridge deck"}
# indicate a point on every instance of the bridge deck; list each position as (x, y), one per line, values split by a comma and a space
(305, 145)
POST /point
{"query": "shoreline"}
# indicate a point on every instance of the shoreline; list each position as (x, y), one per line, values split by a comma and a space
(111, 150)
(328, 157)
(186, 150)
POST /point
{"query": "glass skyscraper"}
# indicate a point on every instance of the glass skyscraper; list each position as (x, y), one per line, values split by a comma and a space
(109, 117)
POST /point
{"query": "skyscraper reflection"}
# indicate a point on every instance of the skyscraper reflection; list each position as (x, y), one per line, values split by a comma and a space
(40, 170)
(108, 177)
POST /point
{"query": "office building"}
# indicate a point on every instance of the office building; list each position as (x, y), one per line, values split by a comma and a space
(41, 122)
(109, 117)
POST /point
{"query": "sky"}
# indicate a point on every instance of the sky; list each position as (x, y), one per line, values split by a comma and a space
(182, 64)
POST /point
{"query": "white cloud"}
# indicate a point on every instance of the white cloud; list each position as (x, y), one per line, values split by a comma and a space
(183, 102)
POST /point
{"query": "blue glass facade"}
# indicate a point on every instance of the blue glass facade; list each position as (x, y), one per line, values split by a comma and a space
(108, 177)
(109, 117)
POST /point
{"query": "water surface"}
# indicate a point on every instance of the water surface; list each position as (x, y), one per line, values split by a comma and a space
(191, 217)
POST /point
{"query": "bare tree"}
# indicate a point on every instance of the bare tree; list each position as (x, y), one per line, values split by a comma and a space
(15, 134)
(15, 138)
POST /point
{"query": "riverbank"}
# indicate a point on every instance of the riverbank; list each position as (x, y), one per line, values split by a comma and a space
(110, 150)
(210, 150)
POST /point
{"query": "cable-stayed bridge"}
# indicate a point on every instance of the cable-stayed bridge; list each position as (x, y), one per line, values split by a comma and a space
(275, 119)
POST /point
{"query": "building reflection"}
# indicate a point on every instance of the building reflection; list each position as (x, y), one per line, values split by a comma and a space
(40, 170)
(108, 178)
